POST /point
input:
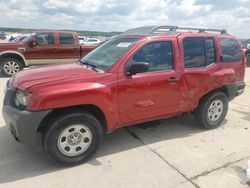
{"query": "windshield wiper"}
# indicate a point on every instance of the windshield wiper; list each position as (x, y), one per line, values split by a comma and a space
(84, 62)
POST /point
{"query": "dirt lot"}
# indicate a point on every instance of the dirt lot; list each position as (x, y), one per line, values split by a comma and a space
(166, 153)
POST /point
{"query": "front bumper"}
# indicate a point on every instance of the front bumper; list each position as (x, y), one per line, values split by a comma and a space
(23, 124)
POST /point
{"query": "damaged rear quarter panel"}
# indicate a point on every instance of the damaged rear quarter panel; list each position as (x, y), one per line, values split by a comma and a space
(200, 82)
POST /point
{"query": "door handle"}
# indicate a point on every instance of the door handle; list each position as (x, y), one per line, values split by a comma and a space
(172, 80)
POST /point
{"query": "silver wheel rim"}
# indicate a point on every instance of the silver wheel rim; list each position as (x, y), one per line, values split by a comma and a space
(11, 67)
(215, 110)
(74, 140)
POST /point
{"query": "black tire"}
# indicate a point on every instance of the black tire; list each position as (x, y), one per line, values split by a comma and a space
(57, 126)
(17, 63)
(201, 113)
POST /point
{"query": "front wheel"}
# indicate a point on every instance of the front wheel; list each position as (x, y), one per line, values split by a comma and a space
(212, 110)
(72, 138)
(10, 66)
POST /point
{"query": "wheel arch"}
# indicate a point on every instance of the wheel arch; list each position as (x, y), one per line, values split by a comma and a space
(90, 108)
(13, 54)
(223, 89)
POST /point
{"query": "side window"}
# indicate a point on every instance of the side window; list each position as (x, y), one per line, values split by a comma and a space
(65, 39)
(199, 52)
(158, 55)
(210, 51)
(230, 50)
(45, 39)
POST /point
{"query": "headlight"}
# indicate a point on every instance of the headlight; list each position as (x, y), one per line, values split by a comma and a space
(22, 98)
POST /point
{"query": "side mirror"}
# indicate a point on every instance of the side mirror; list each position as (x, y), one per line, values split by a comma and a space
(137, 67)
(32, 42)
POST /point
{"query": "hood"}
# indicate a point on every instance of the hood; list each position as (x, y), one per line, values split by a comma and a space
(48, 74)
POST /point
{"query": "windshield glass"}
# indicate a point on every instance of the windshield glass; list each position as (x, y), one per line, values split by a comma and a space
(110, 52)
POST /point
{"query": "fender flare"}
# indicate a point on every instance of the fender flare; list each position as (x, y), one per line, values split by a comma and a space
(15, 53)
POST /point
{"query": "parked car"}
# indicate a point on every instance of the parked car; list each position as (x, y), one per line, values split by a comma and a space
(142, 75)
(247, 54)
(19, 38)
(12, 38)
(81, 39)
(91, 41)
(246, 49)
(42, 48)
(2, 35)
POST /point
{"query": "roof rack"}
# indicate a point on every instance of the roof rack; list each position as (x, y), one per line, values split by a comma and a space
(154, 30)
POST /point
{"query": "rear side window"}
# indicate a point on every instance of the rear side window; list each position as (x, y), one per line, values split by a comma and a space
(65, 39)
(199, 52)
(231, 51)
(210, 51)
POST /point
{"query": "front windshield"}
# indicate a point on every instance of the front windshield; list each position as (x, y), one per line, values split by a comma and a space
(110, 52)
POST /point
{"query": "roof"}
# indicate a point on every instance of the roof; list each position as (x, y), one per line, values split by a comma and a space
(163, 30)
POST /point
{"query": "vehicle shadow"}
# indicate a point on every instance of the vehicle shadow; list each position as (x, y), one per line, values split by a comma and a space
(245, 113)
(18, 161)
(3, 76)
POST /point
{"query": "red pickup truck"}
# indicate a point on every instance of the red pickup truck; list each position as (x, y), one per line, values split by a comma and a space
(142, 75)
(42, 48)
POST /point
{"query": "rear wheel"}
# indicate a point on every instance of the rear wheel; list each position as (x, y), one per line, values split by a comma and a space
(72, 138)
(10, 66)
(212, 110)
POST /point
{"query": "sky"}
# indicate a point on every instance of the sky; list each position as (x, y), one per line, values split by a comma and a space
(119, 15)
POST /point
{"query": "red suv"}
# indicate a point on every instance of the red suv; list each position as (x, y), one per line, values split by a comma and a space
(144, 74)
